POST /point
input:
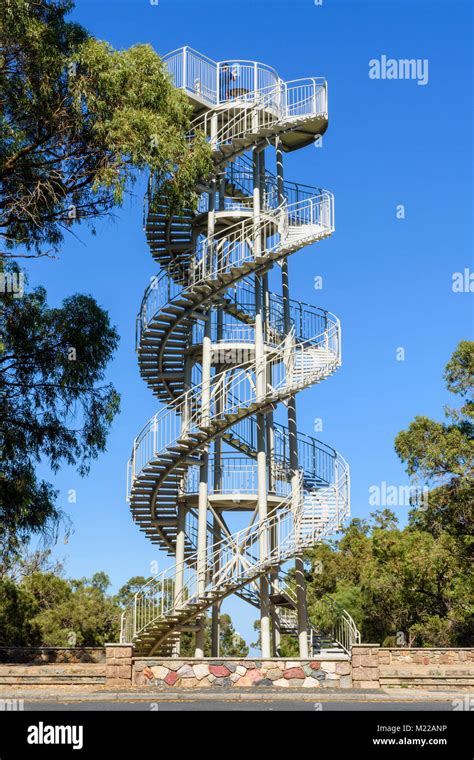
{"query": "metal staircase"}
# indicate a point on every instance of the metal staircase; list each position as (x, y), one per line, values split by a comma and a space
(221, 349)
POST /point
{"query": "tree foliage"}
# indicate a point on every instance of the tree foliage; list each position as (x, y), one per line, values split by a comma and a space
(39, 607)
(54, 404)
(441, 452)
(78, 121)
(47, 610)
(414, 584)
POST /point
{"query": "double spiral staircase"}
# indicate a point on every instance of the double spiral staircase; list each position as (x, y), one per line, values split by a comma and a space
(222, 350)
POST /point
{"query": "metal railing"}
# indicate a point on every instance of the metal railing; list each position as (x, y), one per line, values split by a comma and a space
(218, 82)
(267, 109)
(238, 475)
(240, 174)
(339, 626)
(234, 390)
(222, 82)
(303, 97)
(306, 320)
(234, 246)
(193, 72)
(229, 564)
(344, 629)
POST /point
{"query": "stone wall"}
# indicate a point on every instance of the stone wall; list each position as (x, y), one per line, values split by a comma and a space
(52, 666)
(55, 674)
(118, 665)
(433, 668)
(163, 673)
(371, 667)
(375, 667)
(365, 666)
(49, 655)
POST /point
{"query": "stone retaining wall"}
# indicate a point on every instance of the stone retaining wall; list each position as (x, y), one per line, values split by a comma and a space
(365, 666)
(52, 675)
(374, 667)
(118, 665)
(163, 673)
(370, 667)
(44, 655)
(52, 666)
(426, 668)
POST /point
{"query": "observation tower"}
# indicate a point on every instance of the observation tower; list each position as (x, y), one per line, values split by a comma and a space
(222, 478)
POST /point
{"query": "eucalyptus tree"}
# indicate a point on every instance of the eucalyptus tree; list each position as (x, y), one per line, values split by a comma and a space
(79, 123)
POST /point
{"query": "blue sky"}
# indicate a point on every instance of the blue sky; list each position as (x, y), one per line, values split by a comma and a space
(389, 280)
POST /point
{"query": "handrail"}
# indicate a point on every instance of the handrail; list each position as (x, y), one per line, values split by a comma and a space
(204, 264)
(242, 103)
(238, 562)
(190, 49)
(231, 563)
(342, 629)
(210, 80)
(286, 381)
(180, 60)
(287, 102)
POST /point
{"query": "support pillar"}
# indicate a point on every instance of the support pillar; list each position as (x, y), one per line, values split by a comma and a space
(265, 636)
(292, 436)
(204, 468)
(215, 613)
(179, 575)
(215, 620)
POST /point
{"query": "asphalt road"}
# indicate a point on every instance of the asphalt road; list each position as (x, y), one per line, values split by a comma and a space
(240, 706)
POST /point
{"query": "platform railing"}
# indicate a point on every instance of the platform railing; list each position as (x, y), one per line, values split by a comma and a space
(304, 96)
(303, 99)
(229, 81)
(340, 626)
(238, 475)
(240, 174)
(234, 390)
(218, 82)
(193, 72)
(231, 248)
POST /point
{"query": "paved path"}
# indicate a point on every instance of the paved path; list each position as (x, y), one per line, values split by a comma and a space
(93, 698)
(240, 705)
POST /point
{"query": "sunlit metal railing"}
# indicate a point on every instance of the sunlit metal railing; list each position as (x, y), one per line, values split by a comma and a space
(344, 629)
(237, 475)
(218, 82)
(239, 173)
(241, 103)
(282, 228)
(222, 82)
(193, 72)
(234, 390)
(230, 563)
(300, 101)
(339, 629)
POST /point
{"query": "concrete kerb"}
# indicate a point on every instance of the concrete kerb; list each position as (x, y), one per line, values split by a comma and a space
(233, 695)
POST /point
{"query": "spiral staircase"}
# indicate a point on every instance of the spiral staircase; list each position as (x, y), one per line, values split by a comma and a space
(222, 350)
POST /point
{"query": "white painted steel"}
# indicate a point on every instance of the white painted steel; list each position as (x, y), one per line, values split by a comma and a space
(243, 104)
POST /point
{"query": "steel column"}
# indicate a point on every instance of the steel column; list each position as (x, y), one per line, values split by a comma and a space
(292, 438)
